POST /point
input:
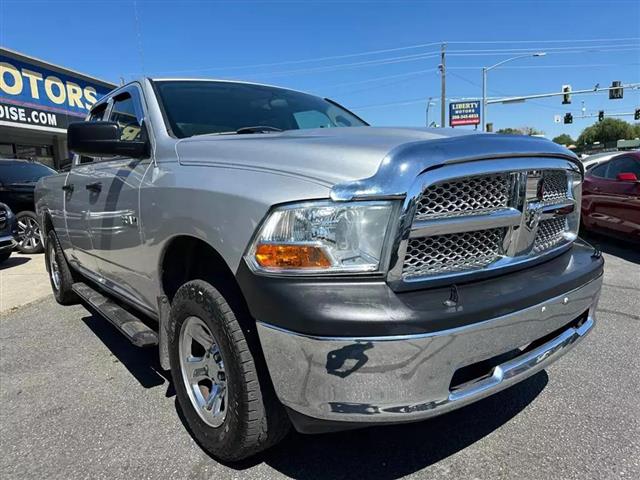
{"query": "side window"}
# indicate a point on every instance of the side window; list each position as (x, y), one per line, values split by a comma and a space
(600, 170)
(127, 113)
(623, 165)
(96, 115)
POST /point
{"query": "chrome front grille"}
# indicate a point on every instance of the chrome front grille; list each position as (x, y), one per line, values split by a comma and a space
(465, 224)
(550, 233)
(3, 218)
(453, 252)
(556, 186)
(467, 196)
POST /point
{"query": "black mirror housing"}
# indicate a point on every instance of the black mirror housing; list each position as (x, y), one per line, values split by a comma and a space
(102, 139)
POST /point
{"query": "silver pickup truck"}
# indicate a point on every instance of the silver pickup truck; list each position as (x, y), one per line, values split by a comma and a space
(292, 272)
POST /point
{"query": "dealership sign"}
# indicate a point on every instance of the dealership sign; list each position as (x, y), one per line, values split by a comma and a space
(464, 113)
(40, 96)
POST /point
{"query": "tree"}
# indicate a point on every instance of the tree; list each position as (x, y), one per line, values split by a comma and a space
(510, 131)
(608, 130)
(520, 131)
(564, 139)
(530, 131)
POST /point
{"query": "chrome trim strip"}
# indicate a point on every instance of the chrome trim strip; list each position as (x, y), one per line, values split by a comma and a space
(507, 217)
(519, 365)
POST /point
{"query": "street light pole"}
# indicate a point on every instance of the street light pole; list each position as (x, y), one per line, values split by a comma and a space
(429, 103)
(485, 70)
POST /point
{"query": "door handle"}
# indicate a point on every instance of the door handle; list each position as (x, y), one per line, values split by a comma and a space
(68, 187)
(94, 187)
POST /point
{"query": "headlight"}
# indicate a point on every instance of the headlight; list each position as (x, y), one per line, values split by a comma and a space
(322, 237)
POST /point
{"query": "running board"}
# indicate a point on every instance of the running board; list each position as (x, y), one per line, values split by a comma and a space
(129, 325)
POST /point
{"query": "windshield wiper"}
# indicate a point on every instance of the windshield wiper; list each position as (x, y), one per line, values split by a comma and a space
(258, 129)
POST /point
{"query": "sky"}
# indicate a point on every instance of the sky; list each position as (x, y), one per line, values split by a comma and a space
(378, 58)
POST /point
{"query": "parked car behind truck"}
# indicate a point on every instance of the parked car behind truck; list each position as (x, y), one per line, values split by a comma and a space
(309, 275)
(8, 232)
(17, 182)
(611, 197)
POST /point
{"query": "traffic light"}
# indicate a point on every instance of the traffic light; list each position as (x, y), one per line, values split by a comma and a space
(636, 114)
(601, 115)
(568, 118)
(566, 98)
(616, 91)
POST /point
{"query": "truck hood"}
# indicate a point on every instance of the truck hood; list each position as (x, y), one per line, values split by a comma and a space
(323, 155)
(359, 161)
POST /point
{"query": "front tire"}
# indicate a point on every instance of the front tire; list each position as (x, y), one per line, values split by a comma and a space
(230, 409)
(28, 233)
(60, 275)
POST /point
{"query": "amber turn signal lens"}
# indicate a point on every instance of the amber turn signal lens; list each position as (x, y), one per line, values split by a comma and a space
(291, 256)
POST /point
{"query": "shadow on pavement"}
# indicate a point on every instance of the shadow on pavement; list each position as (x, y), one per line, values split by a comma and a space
(142, 363)
(394, 451)
(391, 452)
(13, 261)
(613, 246)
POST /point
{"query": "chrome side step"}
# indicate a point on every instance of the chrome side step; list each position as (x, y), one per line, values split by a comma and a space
(128, 324)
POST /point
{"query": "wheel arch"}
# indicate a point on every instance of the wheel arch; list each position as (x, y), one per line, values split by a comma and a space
(187, 257)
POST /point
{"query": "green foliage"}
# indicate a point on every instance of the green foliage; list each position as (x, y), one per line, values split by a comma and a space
(521, 131)
(608, 130)
(510, 131)
(564, 139)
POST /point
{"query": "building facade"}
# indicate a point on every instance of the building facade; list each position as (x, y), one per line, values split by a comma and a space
(38, 100)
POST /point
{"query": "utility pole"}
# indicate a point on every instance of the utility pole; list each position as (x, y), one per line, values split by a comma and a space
(443, 88)
(484, 99)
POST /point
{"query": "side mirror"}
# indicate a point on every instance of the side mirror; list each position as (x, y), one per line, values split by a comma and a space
(627, 177)
(98, 139)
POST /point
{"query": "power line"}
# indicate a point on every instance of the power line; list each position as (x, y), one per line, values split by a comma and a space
(389, 50)
(562, 65)
(403, 77)
(609, 48)
(368, 63)
(546, 41)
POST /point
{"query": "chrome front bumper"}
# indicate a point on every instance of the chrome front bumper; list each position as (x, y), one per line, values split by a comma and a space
(408, 377)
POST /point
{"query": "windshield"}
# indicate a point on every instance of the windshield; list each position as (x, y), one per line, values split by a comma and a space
(197, 107)
(23, 172)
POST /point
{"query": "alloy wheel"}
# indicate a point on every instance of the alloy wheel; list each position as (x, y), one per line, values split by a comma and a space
(203, 372)
(28, 233)
(54, 269)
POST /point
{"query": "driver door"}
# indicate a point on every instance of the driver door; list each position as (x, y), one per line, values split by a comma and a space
(115, 216)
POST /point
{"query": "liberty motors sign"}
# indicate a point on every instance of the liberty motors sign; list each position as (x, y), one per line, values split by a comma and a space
(464, 113)
(41, 96)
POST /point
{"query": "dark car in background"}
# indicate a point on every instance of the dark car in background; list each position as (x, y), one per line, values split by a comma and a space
(17, 182)
(8, 232)
(611, 197)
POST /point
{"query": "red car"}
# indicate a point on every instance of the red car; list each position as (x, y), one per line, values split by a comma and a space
(611, 197)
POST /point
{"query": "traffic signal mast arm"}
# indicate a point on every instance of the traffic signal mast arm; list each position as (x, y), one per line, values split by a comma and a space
(561, 93)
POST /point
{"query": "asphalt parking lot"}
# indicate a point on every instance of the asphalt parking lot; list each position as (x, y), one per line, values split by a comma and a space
(78, 401)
